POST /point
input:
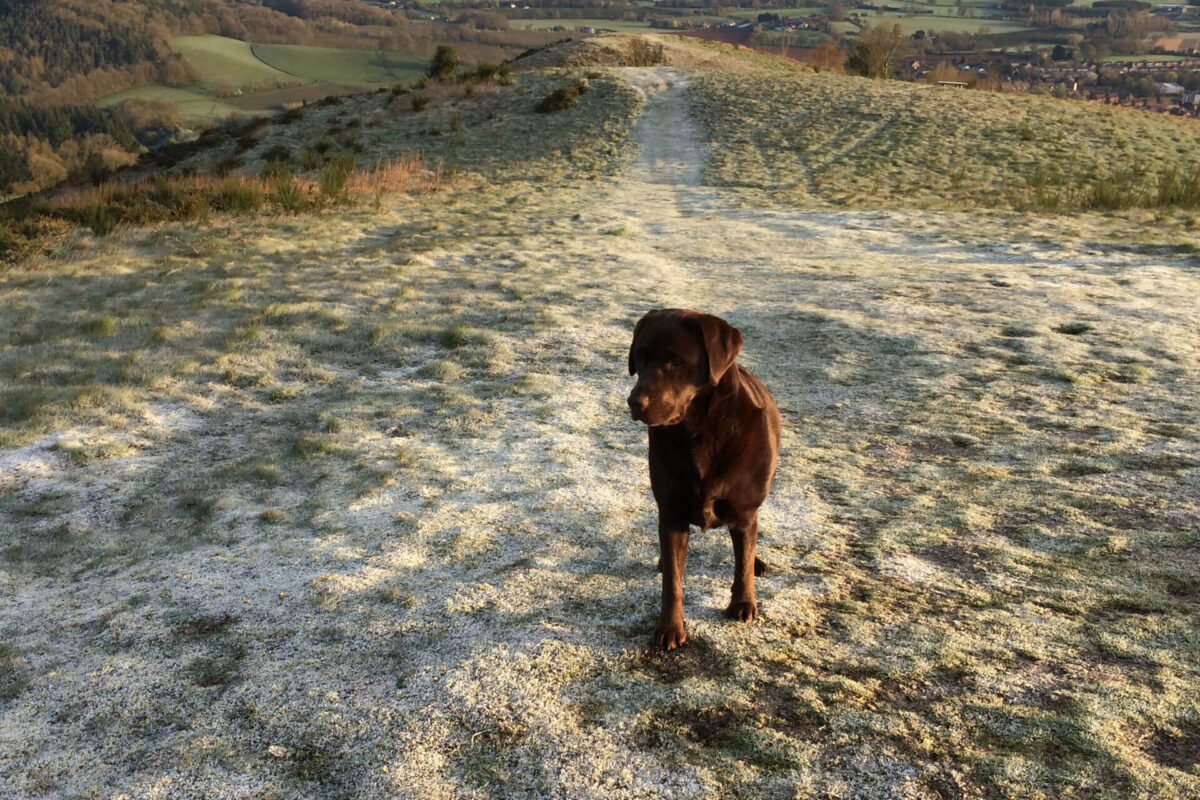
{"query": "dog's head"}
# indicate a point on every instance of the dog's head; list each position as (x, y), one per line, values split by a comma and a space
(677, 354)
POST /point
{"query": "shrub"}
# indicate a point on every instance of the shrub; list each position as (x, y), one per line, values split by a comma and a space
(334, 177)
(275, 169)
(562, 98)
(309, 160)
(288, 195)
(1042, 191)
(227, 165)
(1118, 190)
(444, 64)
(99, 217)
(419, 100)
(237, 197)
(166, 192)
(23, 230)
(643, 53)
(1176, 188)
(279, 153)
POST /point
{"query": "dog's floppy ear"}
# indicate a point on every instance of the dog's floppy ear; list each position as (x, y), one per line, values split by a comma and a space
(722, 342)
(636, 330)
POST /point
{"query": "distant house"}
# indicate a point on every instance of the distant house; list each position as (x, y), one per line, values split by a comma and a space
(1168, 89)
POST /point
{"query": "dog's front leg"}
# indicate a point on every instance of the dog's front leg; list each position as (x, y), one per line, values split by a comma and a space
(672, 545)
(744, 533)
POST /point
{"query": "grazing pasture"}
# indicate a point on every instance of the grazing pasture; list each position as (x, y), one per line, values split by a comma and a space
(622, 25)
(342, 66)
(195, 104)
(226, 63)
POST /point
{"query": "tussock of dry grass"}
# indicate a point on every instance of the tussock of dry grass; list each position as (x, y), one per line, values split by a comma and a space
(400, 175)
(349, 504)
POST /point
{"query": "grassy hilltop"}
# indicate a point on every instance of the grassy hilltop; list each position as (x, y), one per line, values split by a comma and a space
(838, 140)
(346, 501)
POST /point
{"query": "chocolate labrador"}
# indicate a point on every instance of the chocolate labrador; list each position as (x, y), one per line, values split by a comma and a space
(714, 440)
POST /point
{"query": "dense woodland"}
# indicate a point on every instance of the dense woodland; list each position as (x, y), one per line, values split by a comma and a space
(43, 145)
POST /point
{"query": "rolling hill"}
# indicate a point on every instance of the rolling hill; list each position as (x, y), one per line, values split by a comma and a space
(349, 503)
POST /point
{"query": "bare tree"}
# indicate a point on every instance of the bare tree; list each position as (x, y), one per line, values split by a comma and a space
(877, 48)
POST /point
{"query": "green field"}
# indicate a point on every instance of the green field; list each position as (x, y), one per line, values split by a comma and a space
(225, 63)
(620, 25)
(340, 66)
(936, 24)
(238, 77)
(194, 104)
(1140, 57)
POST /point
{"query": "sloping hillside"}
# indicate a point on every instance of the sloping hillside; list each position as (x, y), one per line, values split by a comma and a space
(350, 503)
(838, 140)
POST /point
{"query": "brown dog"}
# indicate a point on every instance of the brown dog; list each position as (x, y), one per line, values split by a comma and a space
(714, 439)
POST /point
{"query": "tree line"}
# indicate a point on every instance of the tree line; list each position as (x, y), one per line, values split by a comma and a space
(42, 146)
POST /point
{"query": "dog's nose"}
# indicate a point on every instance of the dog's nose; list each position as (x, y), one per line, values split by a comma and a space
(638, 402)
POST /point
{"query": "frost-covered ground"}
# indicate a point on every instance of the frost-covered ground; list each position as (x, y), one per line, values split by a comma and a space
(366, 515)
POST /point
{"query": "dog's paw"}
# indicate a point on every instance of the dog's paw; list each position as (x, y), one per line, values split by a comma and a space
(742, 611)
(669, 635)
(760, 567)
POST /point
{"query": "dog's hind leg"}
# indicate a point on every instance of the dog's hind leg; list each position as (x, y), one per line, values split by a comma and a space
(744, 533)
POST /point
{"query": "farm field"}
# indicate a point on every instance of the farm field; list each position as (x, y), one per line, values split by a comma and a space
(350, 503)
(1141, 57)
(195, 104)
(241, 78)
(225, 62)
(341, 66)
(619, 25)
(937, 24)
